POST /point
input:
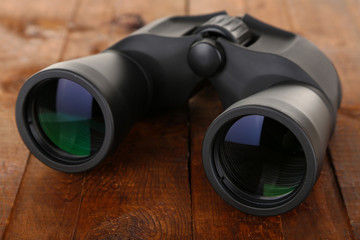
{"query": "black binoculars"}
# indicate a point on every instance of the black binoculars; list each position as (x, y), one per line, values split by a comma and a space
(263, 154)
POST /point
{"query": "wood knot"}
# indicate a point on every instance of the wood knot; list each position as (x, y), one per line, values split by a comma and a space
(129, 21)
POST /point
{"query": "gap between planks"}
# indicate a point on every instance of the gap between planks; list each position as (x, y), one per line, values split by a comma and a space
(333, 169)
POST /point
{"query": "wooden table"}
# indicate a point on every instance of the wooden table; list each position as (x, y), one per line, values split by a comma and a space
(154, 186)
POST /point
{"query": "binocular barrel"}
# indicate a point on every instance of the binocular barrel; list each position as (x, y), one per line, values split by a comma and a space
(262, 155)
(72, 114)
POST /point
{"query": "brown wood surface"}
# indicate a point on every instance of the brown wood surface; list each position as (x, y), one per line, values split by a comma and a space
(154, 186)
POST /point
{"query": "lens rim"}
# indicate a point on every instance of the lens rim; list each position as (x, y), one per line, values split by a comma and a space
(211, 162)
(29, 131)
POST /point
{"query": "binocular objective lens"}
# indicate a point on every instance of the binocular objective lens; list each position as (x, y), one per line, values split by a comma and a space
(69, 118)
(261, 159)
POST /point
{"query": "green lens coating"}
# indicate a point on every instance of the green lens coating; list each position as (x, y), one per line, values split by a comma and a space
(70, 118)
(263, 158)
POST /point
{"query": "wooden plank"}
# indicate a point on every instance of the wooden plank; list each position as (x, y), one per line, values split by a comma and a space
(344, 146)
(32, 36)
(112, 20)
(212, 217)
(330, 26)
(46, 205)
(208, 6)
(39, 11)
(345, 152)
(141, 191)
(13, 157)
(353, 7)
(150, 10)
(30, 39)
(339, 39)
(272, 12)
(91, 28)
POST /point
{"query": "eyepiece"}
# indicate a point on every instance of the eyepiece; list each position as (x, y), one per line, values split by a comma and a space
(264, 153)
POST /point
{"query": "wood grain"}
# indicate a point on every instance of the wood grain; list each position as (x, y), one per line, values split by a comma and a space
(329, 26)
(345, 152)
(207, 6)
(345, 144)
(13, 157)
(100, 24)
(142, 191)
(46, 205)
(339, 41)
(273, 12)
(29, 40)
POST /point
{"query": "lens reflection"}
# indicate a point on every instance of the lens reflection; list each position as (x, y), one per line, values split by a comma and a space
(70, 117)
(262, 158)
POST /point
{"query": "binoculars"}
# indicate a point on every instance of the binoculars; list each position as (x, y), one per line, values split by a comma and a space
(262, 155)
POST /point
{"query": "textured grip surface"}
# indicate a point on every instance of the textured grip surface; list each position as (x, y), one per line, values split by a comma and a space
(232, 28)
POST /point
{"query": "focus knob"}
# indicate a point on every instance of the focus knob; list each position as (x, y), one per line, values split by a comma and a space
(205, 57)
(232, 28)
